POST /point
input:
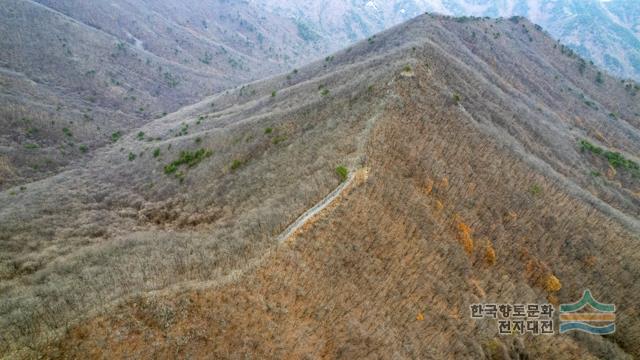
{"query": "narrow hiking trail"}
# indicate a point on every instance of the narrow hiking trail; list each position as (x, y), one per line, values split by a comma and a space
(308, 215)
(357, 177)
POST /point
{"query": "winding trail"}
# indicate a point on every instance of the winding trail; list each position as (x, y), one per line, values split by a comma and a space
(311, 212)
(235, 274)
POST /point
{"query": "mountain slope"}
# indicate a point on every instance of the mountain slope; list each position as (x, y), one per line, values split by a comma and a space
(476, 179)
(77, 73)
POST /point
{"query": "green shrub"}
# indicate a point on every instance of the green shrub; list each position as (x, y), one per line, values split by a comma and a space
(535, 189)
(273, 94)
(278, 139)
(156, 152)
(67, 132)
(141, 135)
(184, 130)
(83, 148)
(619, 161)
(582, 65)
(170, 169)
(587, 146)
(236, 164)
(456, 98)
(30, 146)
(268, 130)
(342, 172)
(206, 59)
(132, 156)
(116, 136)
(188, 158)
(171, 80)
(615, 159)
(324, 92)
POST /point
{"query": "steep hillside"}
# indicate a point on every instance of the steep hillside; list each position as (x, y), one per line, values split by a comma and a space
(485, 163)
(77, 74)
(605, 32)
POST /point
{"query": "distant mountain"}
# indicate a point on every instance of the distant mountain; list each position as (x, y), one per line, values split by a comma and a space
(608, 33)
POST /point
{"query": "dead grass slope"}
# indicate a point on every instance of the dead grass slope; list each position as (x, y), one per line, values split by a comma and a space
(101, 68)
(87, 237)
(358, 280)
(472, 146)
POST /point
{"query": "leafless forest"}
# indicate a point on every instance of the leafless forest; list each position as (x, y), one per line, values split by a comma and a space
(490, 162)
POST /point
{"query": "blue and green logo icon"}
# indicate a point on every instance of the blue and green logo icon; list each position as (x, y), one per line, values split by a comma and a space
(600, 321)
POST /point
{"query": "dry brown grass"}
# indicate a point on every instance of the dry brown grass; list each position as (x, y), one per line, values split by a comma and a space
(352, 281)
(6, 170)
(96, 68)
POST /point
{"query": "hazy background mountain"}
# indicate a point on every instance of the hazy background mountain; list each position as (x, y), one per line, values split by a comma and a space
(606, 32)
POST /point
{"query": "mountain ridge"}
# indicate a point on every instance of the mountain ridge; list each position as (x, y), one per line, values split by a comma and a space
(472, 132)
(101, 70)
(571, 21)
(123, 64)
